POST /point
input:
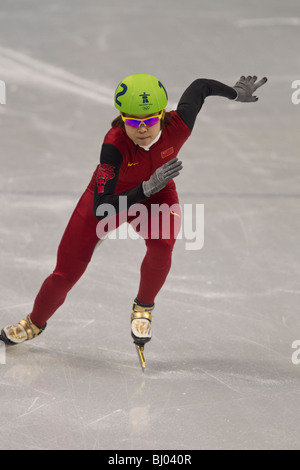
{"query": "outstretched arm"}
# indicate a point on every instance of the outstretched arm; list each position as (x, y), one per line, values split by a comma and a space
(194, 96)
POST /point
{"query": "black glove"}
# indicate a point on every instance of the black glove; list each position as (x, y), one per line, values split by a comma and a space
(245, 87)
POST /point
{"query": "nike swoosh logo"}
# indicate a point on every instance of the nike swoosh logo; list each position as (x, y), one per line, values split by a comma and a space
(131, 164)
(174, 213)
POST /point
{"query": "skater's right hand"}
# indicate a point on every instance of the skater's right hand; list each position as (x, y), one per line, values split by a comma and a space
(161, 176)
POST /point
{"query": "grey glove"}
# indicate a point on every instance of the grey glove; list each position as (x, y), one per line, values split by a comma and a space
(245, 87)
(161, 176)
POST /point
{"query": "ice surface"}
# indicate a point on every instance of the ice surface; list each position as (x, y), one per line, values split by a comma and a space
(219, 369)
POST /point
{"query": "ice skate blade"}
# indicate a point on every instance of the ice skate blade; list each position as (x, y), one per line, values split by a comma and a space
(140, 351)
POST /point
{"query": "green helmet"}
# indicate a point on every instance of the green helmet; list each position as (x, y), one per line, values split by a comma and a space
(140, 94)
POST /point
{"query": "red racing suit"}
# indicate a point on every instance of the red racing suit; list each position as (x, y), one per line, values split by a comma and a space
(122, 169)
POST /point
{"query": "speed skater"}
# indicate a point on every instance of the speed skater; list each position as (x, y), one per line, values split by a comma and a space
(138, 160)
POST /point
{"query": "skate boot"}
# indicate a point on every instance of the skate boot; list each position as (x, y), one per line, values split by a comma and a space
(20, 332)
(141, 333)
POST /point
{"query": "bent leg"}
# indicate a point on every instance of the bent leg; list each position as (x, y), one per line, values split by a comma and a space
(154, 270)
(163, 228)
(73, 256)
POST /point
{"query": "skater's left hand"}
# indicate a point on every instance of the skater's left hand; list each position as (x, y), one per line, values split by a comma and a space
(245, 87)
